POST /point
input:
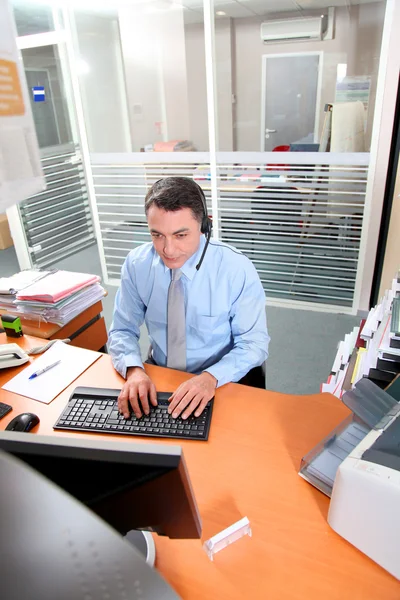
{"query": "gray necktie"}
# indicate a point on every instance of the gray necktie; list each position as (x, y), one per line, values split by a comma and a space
(176, 348)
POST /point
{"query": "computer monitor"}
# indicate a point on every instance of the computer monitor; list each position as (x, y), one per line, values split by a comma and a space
(52, 546)
(304, 147)
(129, 485)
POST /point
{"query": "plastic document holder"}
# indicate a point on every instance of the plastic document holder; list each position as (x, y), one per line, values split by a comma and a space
(226, 537)
(372, 409)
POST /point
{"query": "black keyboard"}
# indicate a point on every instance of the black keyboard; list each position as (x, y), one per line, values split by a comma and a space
(96, 409)
(4, 409)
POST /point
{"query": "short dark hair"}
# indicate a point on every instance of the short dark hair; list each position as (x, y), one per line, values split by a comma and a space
(174, 193)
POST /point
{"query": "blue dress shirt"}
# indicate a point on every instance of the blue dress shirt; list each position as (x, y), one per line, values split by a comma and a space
(226, 327)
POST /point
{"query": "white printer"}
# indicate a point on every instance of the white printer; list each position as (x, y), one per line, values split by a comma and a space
(358, 465)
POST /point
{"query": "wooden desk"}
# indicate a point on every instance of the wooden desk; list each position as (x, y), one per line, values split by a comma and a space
(87, 330)
(248, 468)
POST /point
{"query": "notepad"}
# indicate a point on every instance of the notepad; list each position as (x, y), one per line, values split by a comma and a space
(56, 286)
(45, 387)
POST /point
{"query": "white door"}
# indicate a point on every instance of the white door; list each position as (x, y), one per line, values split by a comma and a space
(290, 99)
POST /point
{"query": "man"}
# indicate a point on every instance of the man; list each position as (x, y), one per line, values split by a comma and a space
(208, 320)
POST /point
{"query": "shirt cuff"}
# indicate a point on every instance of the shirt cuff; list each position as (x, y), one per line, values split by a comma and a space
(130, 360)
(218, 372)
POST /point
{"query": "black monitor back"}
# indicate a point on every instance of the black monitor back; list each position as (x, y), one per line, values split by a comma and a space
(51, 546)
(129, 485)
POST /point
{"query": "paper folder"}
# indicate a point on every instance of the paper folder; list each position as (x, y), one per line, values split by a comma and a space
(57, 286)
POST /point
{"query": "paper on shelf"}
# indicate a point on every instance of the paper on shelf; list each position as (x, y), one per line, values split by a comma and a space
(51, 383)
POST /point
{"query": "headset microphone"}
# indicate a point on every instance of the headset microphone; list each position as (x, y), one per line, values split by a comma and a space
(206, 227)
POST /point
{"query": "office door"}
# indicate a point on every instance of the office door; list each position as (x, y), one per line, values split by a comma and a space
(290, 99)
(44, 114)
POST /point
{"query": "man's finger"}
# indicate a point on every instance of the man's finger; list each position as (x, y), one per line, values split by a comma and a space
(144, 397)
(187, 398)
(153, 394)
(177, 397)
(123, 401)
(201, 407)
(192, 406)
(133, 399)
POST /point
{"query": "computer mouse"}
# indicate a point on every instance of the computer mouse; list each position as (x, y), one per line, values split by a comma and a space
(23, 422)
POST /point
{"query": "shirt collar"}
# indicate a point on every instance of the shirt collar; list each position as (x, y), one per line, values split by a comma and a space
(189, 268)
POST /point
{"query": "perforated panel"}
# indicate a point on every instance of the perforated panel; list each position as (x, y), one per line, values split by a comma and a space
(297, 216)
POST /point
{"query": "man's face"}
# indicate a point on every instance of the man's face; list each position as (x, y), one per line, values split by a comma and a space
(176, 235)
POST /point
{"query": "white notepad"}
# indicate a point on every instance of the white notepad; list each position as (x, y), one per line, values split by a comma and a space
(48, 385)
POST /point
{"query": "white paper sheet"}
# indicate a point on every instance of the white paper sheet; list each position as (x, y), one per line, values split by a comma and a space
(48, 385)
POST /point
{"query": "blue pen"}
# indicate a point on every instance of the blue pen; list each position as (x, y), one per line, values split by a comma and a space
(37, 373)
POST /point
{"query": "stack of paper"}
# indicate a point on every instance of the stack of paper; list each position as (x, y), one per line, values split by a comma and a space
(64, 310)
(57, 297)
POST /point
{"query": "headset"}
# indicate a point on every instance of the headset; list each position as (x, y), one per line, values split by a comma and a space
(206, 222)
(206, 226)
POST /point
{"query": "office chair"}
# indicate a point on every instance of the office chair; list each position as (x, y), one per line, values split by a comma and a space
(256, 377)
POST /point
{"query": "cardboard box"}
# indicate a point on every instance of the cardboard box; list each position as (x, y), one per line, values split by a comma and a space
(5, 235)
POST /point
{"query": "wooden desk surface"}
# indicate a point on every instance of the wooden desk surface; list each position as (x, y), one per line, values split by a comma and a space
(249, 468)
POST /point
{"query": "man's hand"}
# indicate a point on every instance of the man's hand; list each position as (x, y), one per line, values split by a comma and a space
(192, 395)
(136, 391)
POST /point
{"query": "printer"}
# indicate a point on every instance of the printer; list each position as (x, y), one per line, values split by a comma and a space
(358, 466)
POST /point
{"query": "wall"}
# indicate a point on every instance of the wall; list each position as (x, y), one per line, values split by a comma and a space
(366, 33)
(196, 79)
(391, 263)
(358, 32)
(197, 91)
(153, 48)
(102, 86)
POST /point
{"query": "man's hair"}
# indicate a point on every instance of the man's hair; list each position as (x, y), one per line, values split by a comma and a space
(174, 193)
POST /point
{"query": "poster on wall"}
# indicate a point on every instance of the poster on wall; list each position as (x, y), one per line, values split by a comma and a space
(20, 168)
(353, 89)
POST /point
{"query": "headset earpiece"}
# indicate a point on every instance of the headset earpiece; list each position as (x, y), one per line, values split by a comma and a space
(206, 225)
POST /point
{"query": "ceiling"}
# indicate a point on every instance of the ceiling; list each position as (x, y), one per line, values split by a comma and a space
(237, 9)
(34, 16)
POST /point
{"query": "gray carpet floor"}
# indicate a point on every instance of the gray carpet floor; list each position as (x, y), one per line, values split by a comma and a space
(303, 342)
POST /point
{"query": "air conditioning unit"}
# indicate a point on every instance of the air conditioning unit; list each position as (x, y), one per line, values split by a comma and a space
(308, 28)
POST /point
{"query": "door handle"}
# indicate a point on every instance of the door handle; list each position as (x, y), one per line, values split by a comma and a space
(270, 130)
